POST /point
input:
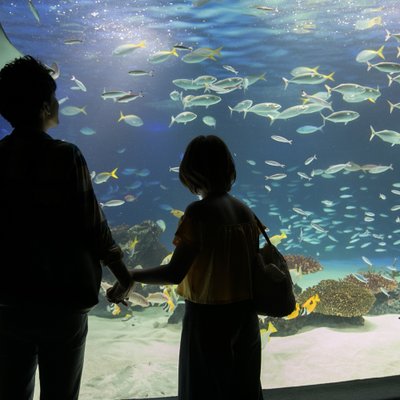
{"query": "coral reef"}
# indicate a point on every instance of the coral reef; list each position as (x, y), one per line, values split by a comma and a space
(340, 298)
(140, 243)
(307, 265)
(375, 282)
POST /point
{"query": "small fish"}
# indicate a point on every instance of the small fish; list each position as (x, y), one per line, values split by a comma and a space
(34, 11)
(274, 163)
(113, 203)
(307, 129)
(265, 334)
(294, 314)
(276, 239)
(139, 72)
(209, 121)
(116, 310)
(367, 24)
(73, 41)
(310, 159)
(104, 176)
(392, 35)
(177, 213)
(124, 49)
(360, 278)
(183, 118)
(162, 56)
(157, 298)
(72, 110)
(137, 299)
(281, 139)
(181, 46)
(79, 84)
(303, 175)
(393, 106)
(129, 97)
(161, 224)
(251, 162)
(131, 119)
(275, 177)
(230, 69)
(309, 305)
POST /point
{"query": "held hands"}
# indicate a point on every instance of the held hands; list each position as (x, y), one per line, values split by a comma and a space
(118, 293)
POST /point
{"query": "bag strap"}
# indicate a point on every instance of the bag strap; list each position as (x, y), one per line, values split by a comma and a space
(260, 225)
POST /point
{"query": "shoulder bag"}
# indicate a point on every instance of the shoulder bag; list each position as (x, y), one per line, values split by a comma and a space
(270, 281)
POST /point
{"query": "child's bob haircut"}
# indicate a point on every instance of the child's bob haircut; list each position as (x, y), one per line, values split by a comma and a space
(207, 166)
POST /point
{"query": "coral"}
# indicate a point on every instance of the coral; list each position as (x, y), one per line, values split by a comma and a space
(376, 282)
(340, 298)
(308, 265)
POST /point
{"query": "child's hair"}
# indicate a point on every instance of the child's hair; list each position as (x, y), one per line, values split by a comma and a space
(25, 84)
(207, 166)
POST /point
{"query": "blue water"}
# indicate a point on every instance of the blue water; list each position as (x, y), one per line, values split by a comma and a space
(300, 33)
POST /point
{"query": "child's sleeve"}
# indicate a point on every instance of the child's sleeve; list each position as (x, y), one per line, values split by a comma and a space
(187, 232)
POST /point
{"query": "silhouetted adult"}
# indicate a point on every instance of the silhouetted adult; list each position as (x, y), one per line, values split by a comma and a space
(216, 242)
(53, 238)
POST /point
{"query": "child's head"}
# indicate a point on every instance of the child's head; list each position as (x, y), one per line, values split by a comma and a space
(25, 88)
(207, 166)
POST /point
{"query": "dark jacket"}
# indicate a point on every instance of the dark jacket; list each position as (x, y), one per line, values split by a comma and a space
(53, 233)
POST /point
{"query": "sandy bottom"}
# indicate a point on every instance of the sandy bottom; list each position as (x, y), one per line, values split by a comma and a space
(139, 358)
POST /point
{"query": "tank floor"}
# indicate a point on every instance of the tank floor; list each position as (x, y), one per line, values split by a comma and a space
(366, 389)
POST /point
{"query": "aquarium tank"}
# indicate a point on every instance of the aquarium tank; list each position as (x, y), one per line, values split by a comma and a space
(306, 95)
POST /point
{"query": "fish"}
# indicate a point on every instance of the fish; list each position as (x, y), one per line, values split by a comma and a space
(307, 129)
(209, 121)
(79, 84)
(113, 203)
(367, 55)
(157, 298)
(318, 228)
(301, 212)
(294, 314)
(140, 72)
(309, 160)
(289, 112)
(182, 47)
(393, 79)
(363, 24)
(113, 95)
(73, 41)
(360, 278)
(304, 70)
(392, 35)
(177, 213)
(87, 131)
(166, 259)
(188, 84)
(131, 119)
(63, 100)
(126, 98)
(174, 169)
(303, 175)
(308, 79)
(386, 135)
(7, 51)
(310, 305)
(393, 106)
(124, 49)
(230, 69)
(389, 67)
(116, 310)
(137, 299)
(34, 10)
(265, 334)
(276, 239)
(104, 176)
(281, 139)
(378, 169)
(183, 118)
(204, 100)
(201, 54)
(344, 116)
(275, 177)
(175, 95)
(72, 110)
(162, 56)
(262, 109)
(161, 224)
(274, 163)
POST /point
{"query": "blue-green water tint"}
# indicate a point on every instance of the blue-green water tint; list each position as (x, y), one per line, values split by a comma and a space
(253, 41)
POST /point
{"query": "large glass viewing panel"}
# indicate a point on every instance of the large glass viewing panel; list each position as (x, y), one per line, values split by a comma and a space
(306, 95)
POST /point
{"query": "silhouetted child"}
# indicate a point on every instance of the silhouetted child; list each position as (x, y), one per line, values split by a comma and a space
(216, 241)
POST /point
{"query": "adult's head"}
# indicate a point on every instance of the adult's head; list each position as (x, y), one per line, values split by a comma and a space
(207, 166)
(27, 94)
